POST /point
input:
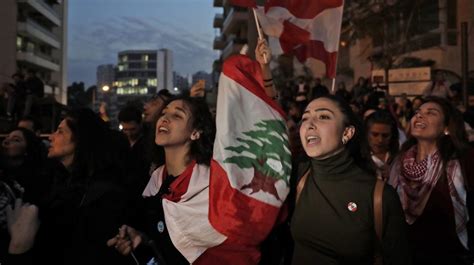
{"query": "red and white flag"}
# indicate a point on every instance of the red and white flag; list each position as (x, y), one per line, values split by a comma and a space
(222, 213)
(252, 151)
(305, 28)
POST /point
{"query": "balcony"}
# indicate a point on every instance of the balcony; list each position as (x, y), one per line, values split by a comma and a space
(219, 43)
(234, 19)
(218, 20)
(34, 30)
(218, 3)
(37, 60)
(233, 47)
(44, 9)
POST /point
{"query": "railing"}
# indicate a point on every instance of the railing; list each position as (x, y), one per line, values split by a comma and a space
(51, 38)
(232, 47)
(41, 28)
(218, 3)
(218, 20)
(234, 14)
(49, 8)
(43, 60)
(44, 9)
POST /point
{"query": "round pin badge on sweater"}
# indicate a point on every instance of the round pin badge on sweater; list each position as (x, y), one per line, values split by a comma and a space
(352, 206)
(160, 226)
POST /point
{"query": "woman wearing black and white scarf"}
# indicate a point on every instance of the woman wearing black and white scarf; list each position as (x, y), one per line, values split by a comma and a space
(432, 177)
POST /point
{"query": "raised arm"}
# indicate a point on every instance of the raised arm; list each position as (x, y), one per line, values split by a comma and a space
(263, 55)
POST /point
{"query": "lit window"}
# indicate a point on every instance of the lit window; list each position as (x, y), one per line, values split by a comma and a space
(133, 82)
(19, 42)
(151, 82)
(120, 68)
(145, 57)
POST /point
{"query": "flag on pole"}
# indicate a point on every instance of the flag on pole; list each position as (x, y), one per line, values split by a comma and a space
(252, 155)
(222, 213)
(305, 28)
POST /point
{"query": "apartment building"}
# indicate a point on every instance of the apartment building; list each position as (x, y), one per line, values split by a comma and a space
(34, 36)
(429, 33)
(231, 33)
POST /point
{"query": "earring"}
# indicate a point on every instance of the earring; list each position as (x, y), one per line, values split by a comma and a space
(344, 141)
(446, 133)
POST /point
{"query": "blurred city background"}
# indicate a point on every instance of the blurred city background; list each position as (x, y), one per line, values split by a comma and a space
(107, 54)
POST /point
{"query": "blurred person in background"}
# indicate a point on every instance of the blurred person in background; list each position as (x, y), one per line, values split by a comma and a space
(382, 136)
(84, 202)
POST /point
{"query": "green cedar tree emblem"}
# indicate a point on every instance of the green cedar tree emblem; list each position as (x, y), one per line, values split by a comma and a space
(266, 150)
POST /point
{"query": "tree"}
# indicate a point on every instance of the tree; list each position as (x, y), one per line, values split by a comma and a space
(266, 151)
(393, 26)
(76, 95)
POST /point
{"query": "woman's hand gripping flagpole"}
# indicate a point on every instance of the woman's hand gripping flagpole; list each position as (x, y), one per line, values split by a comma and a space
(259, 31)
(262, 52)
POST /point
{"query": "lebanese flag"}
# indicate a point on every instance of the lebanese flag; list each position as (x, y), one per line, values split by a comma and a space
(220, 214)
(244, 3)
(253, 154)
(305, 28)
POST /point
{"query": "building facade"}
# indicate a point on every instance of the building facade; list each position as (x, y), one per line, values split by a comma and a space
(34, 36)
(232, 33)
(404, 34)
(165, 70)
(136, 72)
(105, 75)
(180, 83)
(138, 75)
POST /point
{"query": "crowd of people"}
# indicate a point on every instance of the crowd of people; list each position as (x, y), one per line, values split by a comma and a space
(93, 195)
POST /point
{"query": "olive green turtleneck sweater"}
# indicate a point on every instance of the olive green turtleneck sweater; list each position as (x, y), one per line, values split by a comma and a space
(327, 232)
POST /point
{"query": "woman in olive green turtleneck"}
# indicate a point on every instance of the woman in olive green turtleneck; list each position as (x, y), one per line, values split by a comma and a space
(333, 221)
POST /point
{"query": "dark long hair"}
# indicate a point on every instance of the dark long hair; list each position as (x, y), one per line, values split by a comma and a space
(357, 145)
(384, 117)
(202, 121)
(453, 145)
(98, 149)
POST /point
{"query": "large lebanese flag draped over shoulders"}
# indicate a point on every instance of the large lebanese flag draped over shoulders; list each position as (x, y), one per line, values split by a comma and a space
(305, 28)
(250, 174)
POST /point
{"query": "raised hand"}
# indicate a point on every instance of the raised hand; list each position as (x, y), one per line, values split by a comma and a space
(126, 240)
(198, 89)
(23, 224)
(263, 53)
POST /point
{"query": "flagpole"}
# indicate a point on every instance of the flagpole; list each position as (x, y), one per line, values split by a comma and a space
(337, 57)
(259, 31)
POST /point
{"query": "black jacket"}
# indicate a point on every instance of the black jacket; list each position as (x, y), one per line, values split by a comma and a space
(76, 222)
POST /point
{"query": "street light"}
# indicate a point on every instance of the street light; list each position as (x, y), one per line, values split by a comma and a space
(104, 88)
